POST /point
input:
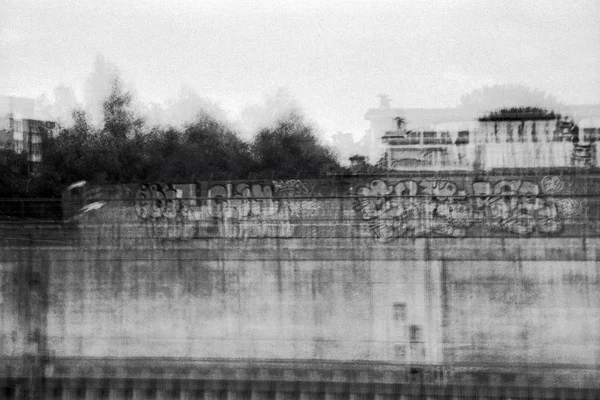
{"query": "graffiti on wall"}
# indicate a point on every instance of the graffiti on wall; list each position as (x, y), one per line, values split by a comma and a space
(439, 207)
(390, 209)
(552, 184)
(158, 201)
(162, 208)
(248, 210)
(234, 210)
(516, 206)
(297, 196)
(408, 208)
(569, 207)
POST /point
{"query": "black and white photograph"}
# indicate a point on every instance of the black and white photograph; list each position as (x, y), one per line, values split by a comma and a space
(299, 200)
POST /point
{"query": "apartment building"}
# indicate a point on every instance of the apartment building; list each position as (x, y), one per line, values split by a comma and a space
(21, 132)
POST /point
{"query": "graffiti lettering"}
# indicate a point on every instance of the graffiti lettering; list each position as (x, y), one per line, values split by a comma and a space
(552, 184)
(394, 211)
(442, 209)
(434, 206)
(157, 201)
(162, 209)
(516, 206)
(296, 195)
(568, 207)
(247, 210)
(233, 210)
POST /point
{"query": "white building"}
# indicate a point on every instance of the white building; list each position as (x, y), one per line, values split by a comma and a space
(20, 131)
(528, 138)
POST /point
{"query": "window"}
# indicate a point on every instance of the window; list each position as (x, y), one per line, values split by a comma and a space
(415, 333)
(463, 137)
(509, 133)
(445, 138)
(400, 311)
(414, 137)
(520, 132)
(18, 146)
(429, 137)
(400, 352)
(495, 138)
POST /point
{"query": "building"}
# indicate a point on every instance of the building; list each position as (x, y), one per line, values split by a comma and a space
(24, 136)
(21, 132)
(447, 147)
(513, 138)
(384, 119)
(530, 139)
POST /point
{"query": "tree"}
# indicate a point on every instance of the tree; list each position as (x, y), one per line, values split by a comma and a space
(115, 153)
(519, 113)
(290, 149)
(120, 120)
(68, 157)
(124, 150)
(214, 149)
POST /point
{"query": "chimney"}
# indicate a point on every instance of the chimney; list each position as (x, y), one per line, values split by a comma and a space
(384, 101)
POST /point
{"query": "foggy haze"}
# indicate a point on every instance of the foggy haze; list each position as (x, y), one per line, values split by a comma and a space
(331, 57)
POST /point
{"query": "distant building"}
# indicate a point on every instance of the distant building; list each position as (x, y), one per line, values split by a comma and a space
(21, 132)
(451, 139)
(529, 140)
(384, 119)
(23, 136)
(381, 120)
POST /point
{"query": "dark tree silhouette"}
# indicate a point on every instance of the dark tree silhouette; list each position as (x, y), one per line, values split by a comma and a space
(291, 149)
(125, 150)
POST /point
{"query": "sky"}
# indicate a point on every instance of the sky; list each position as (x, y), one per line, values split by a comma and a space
(329, 57)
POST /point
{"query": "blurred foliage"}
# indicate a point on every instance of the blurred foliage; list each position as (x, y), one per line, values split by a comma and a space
(125, 150)
(520, 113)
(290, 148)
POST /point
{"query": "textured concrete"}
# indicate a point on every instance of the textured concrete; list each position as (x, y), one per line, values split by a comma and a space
(279, 300)
(121, 290)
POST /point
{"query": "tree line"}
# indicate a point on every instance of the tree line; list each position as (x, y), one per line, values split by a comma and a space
(124, 150)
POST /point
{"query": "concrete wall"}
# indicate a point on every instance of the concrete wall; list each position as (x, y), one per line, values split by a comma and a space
(524, 312)
(491, 302)
(12, 328)
(312, 278)
(338, 301)
(23, 301)
(256, 301)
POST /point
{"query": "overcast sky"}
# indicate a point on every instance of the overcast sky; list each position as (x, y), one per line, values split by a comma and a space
(334, 57)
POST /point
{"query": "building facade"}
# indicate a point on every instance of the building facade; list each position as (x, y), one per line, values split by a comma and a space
(24, 136)
(21, 132)
(530, 138)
